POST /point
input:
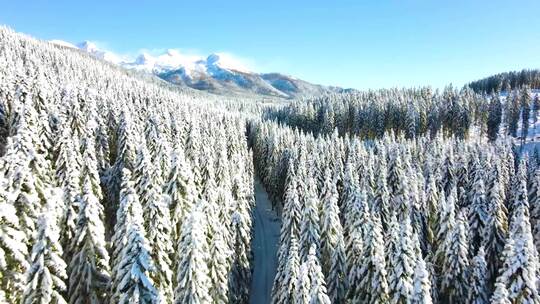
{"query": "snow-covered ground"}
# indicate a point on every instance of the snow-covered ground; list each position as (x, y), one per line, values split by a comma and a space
(265, 245)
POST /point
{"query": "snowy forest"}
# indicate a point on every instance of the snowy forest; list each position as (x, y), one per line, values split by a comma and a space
(116, 187)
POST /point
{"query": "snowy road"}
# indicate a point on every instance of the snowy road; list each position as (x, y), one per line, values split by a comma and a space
(265, 245)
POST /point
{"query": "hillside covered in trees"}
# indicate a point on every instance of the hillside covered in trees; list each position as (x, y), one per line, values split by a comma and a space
(117, 188)
(507, 81)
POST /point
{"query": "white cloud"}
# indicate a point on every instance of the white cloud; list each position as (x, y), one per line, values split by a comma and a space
(169, 57)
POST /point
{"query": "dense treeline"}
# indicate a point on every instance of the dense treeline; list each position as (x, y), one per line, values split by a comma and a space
(439, 220)
(507, 81)
(370, 114)
(115, 189)
(413, 113)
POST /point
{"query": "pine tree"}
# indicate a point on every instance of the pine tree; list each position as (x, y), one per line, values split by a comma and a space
(520, 267)
(157, 224)
(181, 189)
(400, 263)
(479, 289)
(133, 275)
(526, 100)
(422, 283)
(218, 264)
(290, 274)
(309, 226)
(303, 285)
(513, 111)
(289, 229)
(433, 205)
(455, 264)
(401, 195)
(494, 118)
(500, 295)
(192, 283)
(534, 201)
(241, 270)
(446, 224)
(13, 250)
(374, 286)
(124, 216)
(318, 293)
(332, 243)
(68, 176)
(478, 213)
(358, 218)
(382, 196)
(89, 266)
(46, 276)
(496, 231)
(519, 187)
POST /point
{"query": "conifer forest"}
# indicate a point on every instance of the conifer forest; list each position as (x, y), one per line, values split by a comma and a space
(118, 187)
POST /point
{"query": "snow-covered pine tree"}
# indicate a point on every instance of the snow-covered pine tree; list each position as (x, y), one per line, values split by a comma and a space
(181, 188)
(317, 289)
(289, 228)
(534, 202)
(496, 230)
(133, 274)
(157, 222)
(143, 175)
(401, 263)
(478, 213)
(309, 225)
(13, 249)
(500, 295)
(422, 278)
(350, 187)
(374, 286)
(218, 257)
(479, 288)
(358, 216)
(494, 118)
(290, 274)
(239, 283)
(90, 167)
(449, 173)
(381, 200)
(241, 270)
(89, 266)
(401, 196)
(519, 195)
(525, 100)
(157, 148)
(332, 242)
(193, 283)
(446, 224)
(68, 176)
(124, 215)
(454, 276)
(45, 278)
(433, 205)
(520, 267)
(302, 286)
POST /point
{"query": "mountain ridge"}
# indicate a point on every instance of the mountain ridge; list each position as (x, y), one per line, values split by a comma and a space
(217, 73)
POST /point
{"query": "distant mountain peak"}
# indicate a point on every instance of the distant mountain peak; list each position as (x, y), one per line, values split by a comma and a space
(219, 72)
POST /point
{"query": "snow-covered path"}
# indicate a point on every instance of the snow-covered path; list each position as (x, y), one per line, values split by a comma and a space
(265, 245)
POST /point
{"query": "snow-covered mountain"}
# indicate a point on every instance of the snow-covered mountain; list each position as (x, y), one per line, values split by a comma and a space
(218, 73)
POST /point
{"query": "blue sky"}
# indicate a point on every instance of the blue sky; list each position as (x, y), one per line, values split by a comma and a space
(360, 44)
